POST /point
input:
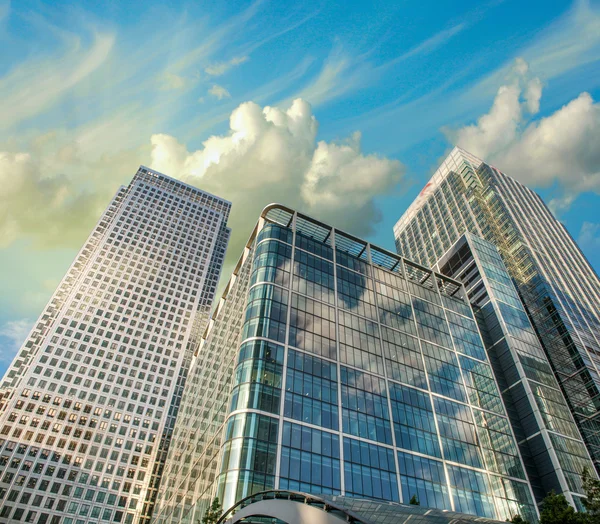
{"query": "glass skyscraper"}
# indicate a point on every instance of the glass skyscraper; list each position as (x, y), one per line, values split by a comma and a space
(333, 366)
(90, 400)
(557, 286)
(550, 442)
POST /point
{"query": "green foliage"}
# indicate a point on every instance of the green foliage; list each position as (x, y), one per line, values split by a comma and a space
(414, 501)
(213, 513)
(556, 510)
(591, 503)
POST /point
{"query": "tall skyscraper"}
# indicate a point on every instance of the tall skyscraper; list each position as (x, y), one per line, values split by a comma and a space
(333, 366)
(557, 285)
(91, 398)
(550, 443)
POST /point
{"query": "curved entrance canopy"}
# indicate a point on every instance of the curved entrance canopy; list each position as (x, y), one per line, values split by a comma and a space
(292, 507)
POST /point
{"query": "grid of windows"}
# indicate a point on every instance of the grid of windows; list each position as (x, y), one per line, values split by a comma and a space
(97, 385)
(310, 460)
(425, 479)
(457, 431)
(379, 390)
(414, 422)
(471, 491)
(369, 470)
(527, 258)
(312, 326)
(364, 406)
(311, 390)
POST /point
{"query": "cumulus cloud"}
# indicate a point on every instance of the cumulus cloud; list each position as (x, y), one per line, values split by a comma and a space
(560, 148)
(220, 68)
(52, 195)
(12, 335)
(272, 155)
(30, 201)
(219, 92)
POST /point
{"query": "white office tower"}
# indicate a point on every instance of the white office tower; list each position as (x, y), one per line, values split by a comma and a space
(90, 401)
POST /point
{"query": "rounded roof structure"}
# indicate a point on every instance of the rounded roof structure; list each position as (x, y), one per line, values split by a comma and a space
(294, 507)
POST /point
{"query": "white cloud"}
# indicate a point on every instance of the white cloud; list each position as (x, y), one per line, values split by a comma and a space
(36, 84)
(339, 75)
(589, 236)
(562, 147)
(172, 82)
(272, 155)
(220, 68)
(561, 203)
(12, 336)
(52, 194)
(430, 44)
(570, 42)
(29, 201)
(219, 92)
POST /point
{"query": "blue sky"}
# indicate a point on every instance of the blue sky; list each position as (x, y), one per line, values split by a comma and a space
(208, 92)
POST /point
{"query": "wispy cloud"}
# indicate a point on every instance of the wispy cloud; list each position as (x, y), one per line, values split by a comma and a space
(34, 86)
(220, 68)
(589, 236)
(216, 39)
(172, 82)
(219, 92)
(343, 71)
(452, 101)
(572, 41)
(4, 10)
(429, 45)
(339, 75)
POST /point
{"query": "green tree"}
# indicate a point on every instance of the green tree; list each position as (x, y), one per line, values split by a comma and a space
(517, 519)
(213, 513)
(591, 486)
(414, 501)
(556, 510)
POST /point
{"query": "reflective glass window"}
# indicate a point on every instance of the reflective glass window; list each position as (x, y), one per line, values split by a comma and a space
(403, 358)
(431, 323)
(369, 470)
(311, 390)
(471, 492)
(444, 374)
(359, 343)
(313, 276)
(355, 293)
(309, 460)
(312, 326)
(272, 262)
(457, 431)
(266, 313)
(424, 478)
(364, 406)
(414, 423)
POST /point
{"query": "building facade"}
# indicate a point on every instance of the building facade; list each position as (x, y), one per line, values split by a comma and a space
(90, 400)
(332, 366)
(557, 285)
(550, 443)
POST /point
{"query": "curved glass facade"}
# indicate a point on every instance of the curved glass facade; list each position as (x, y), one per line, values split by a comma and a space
(361, 374)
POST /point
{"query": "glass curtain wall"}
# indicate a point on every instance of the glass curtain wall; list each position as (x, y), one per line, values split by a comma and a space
(360, 373)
